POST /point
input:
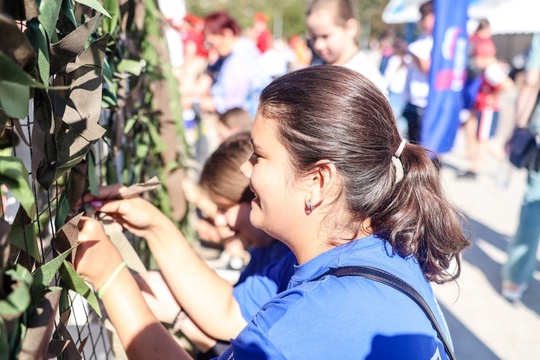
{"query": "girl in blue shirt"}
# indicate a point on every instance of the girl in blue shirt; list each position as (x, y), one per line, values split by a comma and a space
(334, 181)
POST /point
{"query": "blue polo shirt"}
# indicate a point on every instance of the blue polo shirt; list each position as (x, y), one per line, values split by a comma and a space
(347, 317)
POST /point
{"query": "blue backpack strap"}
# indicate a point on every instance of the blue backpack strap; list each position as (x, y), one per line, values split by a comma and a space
(398, 284)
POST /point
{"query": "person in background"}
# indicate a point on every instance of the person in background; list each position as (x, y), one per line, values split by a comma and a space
(233, 256)
(417, 86)
(278, 59)
(195, 53)
(333, 30)
(240, 76)
(481, 37)
(233, 121)
(493, 79)
(518, 270)
(386, 48)
(396, 77)
(481, 34)
(335, 182)
(193, 82)
(263, 36)
(302, 53)
(268, 272)
(228, 189)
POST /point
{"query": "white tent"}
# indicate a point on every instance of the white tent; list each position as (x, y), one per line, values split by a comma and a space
(511, 17)
(504, 16)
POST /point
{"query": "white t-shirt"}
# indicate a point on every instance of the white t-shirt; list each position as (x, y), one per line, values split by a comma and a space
(365, 66)
(396, 73)
(495, 74)
(276, 62)
(418, 81)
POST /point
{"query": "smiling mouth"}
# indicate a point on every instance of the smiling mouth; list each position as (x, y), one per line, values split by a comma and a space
(256, 201)
(253, 190)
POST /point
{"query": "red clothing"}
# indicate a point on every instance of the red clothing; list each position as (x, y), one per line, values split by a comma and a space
(487, 109)
(481, 46)
(198, 39)
(264, 41)
(488, 96)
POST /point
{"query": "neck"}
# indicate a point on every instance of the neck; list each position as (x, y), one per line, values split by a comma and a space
(311, 250)
(347, 56)
(316, 238)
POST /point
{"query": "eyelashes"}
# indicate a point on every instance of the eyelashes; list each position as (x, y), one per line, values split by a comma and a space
(254, 158)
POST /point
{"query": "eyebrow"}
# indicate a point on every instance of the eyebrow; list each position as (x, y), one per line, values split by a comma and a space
(255, 146)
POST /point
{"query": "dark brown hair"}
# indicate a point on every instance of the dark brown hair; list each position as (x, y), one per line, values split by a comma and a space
(217, 22)
(333, 113)
(221, 172)
(426, 8)
(482, 24)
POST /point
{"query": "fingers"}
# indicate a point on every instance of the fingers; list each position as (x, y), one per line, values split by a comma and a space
(105, 192)
(111, 191)
(110, 207)
(136, 215)
(96, 257)
(89, 229)
(124, 207)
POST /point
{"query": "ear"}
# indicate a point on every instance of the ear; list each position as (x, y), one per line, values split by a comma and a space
(320, 182)
(352, 26)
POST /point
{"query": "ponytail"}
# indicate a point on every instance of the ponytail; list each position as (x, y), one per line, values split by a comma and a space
(419, 220)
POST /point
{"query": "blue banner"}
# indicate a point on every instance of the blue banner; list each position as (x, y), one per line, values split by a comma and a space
(447, 75)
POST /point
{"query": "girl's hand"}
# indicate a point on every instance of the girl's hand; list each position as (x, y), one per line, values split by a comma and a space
(96, 257)
(136, 215)
(108, 192)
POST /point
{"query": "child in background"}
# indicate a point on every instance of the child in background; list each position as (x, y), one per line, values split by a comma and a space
(234, 256)
(233, 121)
(229, 190)
(333, 30)
(485, 112)
(417, 85)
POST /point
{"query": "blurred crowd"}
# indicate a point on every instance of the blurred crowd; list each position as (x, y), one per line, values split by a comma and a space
(222, 69)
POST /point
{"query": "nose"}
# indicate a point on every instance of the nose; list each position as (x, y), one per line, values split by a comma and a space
(246, 169)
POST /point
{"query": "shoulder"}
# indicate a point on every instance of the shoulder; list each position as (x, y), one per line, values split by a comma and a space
(363, 64)
(246, 47)
(350, 313)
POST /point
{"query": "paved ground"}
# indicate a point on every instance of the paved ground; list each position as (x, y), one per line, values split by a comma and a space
(483, 324)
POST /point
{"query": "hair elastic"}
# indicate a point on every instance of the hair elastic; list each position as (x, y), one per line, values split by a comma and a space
(397, 162)
(400, 148)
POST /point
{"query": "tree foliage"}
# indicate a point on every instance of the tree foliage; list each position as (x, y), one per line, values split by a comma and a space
(292, 13)
(86, 87)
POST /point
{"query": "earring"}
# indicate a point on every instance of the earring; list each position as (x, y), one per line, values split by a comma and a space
(309, 205)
